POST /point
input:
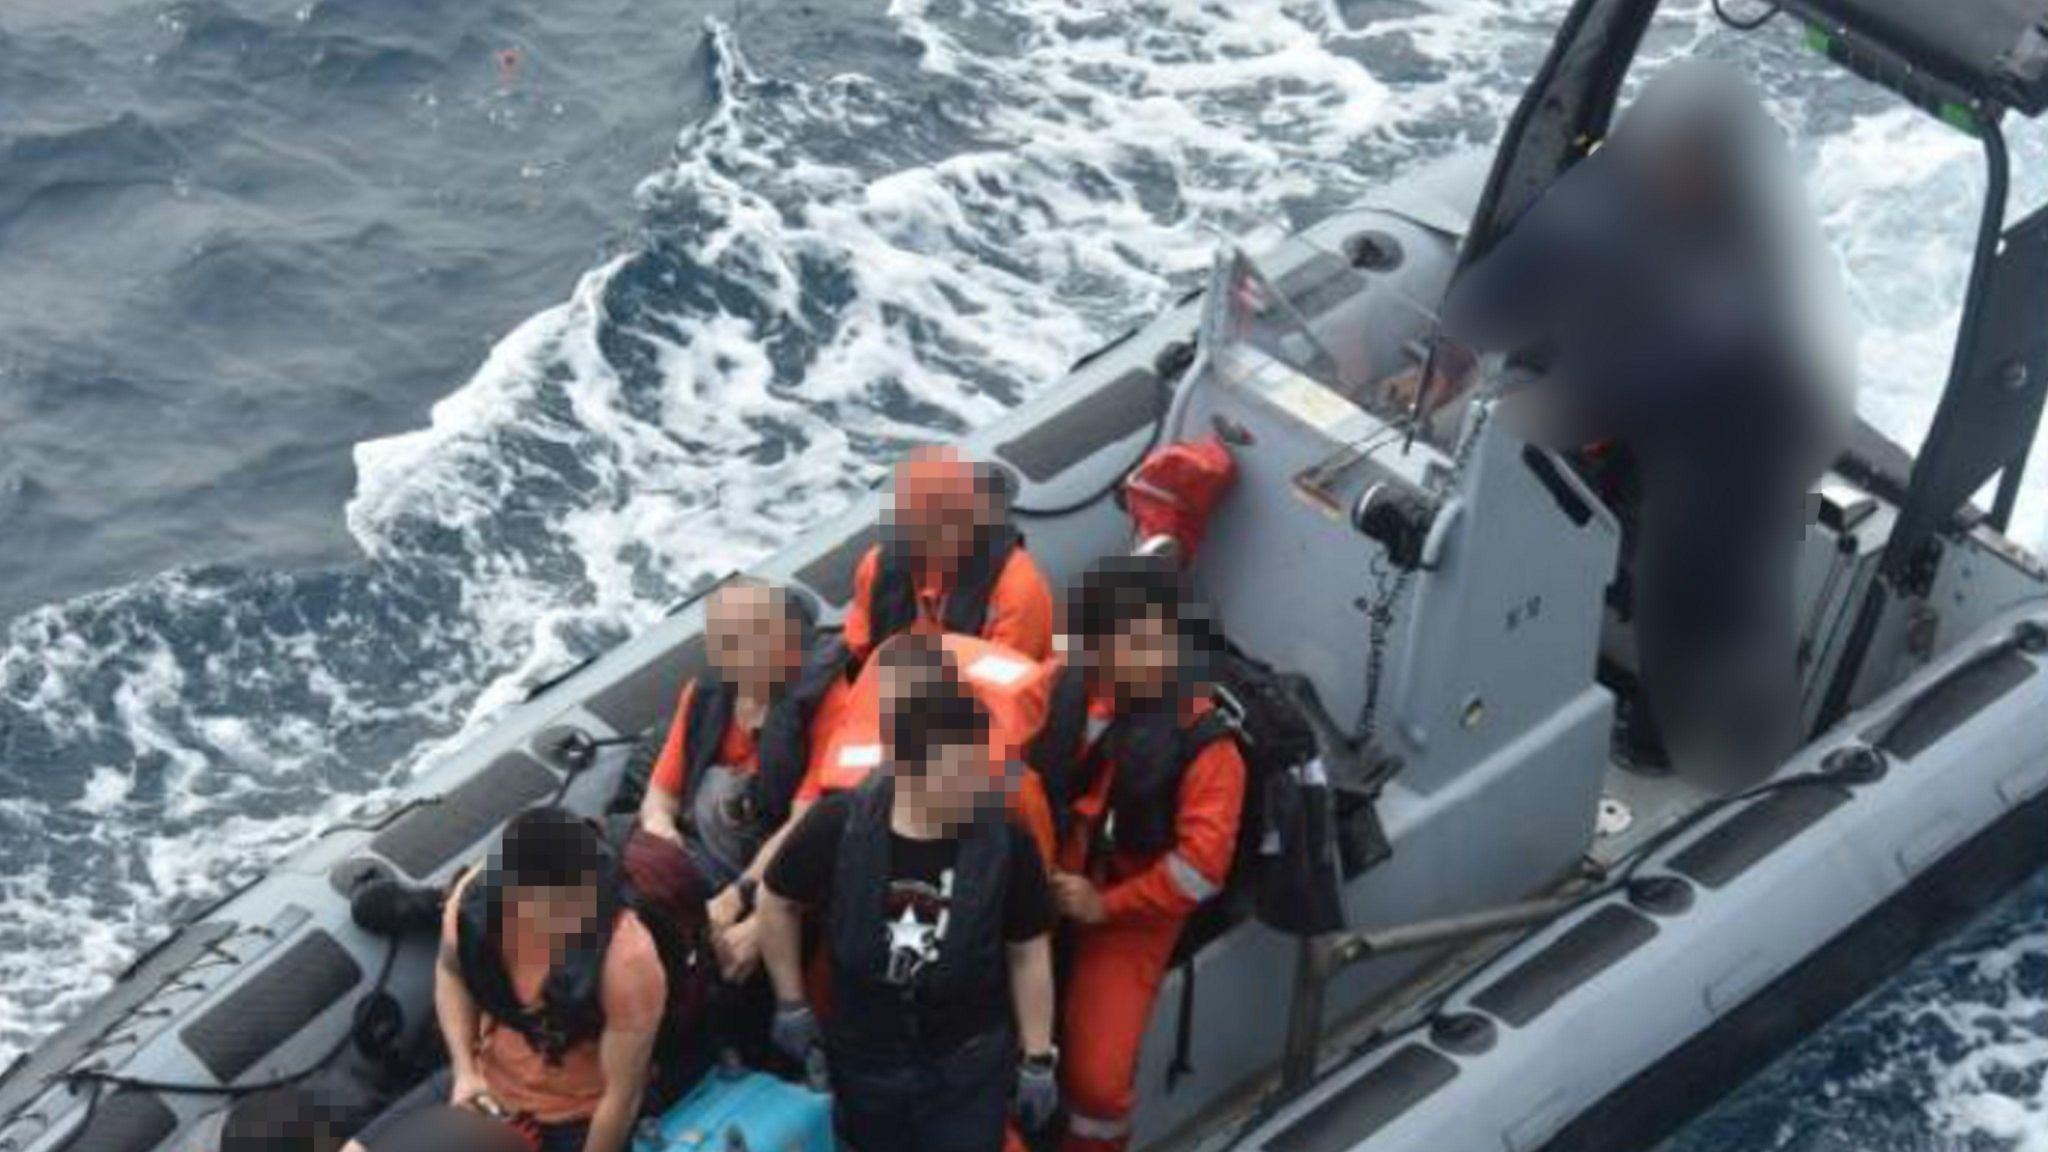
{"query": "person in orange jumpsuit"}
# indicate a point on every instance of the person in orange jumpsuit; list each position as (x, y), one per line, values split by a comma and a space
(1158, 786)
(949, 561)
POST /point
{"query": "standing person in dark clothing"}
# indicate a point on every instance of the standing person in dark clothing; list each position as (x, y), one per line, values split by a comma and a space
(1663, 288)
(936, 922)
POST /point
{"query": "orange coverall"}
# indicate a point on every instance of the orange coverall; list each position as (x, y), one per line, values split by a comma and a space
(1119, 963)
(1019, 607)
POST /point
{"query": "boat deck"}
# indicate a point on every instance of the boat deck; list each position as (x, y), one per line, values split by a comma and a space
(1635, 806)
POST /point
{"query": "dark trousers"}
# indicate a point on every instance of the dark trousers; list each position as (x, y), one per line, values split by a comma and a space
(386, 1131)
(958, 1101)
(1720, 664)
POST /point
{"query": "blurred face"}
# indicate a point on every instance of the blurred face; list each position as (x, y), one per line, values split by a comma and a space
(938, 535)
(898, 682)
(1682, 177)
(750, 638)
(556, 913)
(957, 780)
(940, 507)
(1141, 660)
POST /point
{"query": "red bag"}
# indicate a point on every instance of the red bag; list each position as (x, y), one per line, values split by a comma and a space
(1175, 491)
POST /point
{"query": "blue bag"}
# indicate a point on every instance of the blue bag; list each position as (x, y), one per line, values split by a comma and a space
(742, 1112)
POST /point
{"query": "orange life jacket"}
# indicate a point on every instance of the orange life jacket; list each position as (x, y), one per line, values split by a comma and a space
(1013, 688)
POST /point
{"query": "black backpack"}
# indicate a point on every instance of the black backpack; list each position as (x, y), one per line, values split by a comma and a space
(1290, 855)
(1273, 734)
(1278, 743)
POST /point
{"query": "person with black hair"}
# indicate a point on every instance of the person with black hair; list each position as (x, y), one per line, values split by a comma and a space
(444, 1128)
(933, 909)
(286, 1119)
(550, 993)
(1155, 786)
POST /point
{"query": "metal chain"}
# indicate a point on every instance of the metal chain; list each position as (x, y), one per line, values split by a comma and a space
(1391, 586)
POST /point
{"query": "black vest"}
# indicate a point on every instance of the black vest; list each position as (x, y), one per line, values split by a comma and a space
(972, 964)
(1151, 749)
(892, 598)
(785, 739)
(571, 1010)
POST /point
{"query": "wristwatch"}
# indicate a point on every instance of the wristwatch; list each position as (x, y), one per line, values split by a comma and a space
(1044, 1061)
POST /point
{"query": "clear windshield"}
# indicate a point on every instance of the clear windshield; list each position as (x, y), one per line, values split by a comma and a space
(1256, 314)
(1366, 342)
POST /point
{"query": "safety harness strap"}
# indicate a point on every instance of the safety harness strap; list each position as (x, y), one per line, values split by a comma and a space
(1184, 1030)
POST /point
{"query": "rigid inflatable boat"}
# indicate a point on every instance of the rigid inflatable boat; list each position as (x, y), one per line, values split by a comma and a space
(1556, 951)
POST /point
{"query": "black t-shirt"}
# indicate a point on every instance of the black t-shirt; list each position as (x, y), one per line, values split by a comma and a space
(804, 869)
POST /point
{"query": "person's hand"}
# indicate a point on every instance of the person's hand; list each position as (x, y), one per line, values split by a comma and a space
(795, 1032)
(1077, 899)
(662, 828)
(1038, 1091)
(1397, 392)
(467, 1088)
(738, 947)
(725, 909)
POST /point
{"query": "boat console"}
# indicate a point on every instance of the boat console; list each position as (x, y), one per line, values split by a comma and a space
(1442, 596)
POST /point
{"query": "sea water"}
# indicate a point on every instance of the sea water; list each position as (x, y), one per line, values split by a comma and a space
(364, 362)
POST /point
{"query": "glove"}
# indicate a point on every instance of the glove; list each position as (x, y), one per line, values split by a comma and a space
(1038, 1091)
(795, 1032)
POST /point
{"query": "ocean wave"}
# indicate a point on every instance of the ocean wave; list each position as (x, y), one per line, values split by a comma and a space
(838, 266)
(56, 173)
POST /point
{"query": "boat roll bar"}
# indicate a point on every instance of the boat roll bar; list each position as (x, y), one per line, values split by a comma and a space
(1907, 565)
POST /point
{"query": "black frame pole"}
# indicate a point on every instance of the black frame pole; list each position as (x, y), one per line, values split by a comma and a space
(1917, 522)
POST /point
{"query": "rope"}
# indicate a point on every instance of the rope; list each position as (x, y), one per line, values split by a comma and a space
(1748, 23)
(1392, 587)
(98, 1080)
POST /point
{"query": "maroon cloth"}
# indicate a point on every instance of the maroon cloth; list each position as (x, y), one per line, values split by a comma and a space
(670, 894)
